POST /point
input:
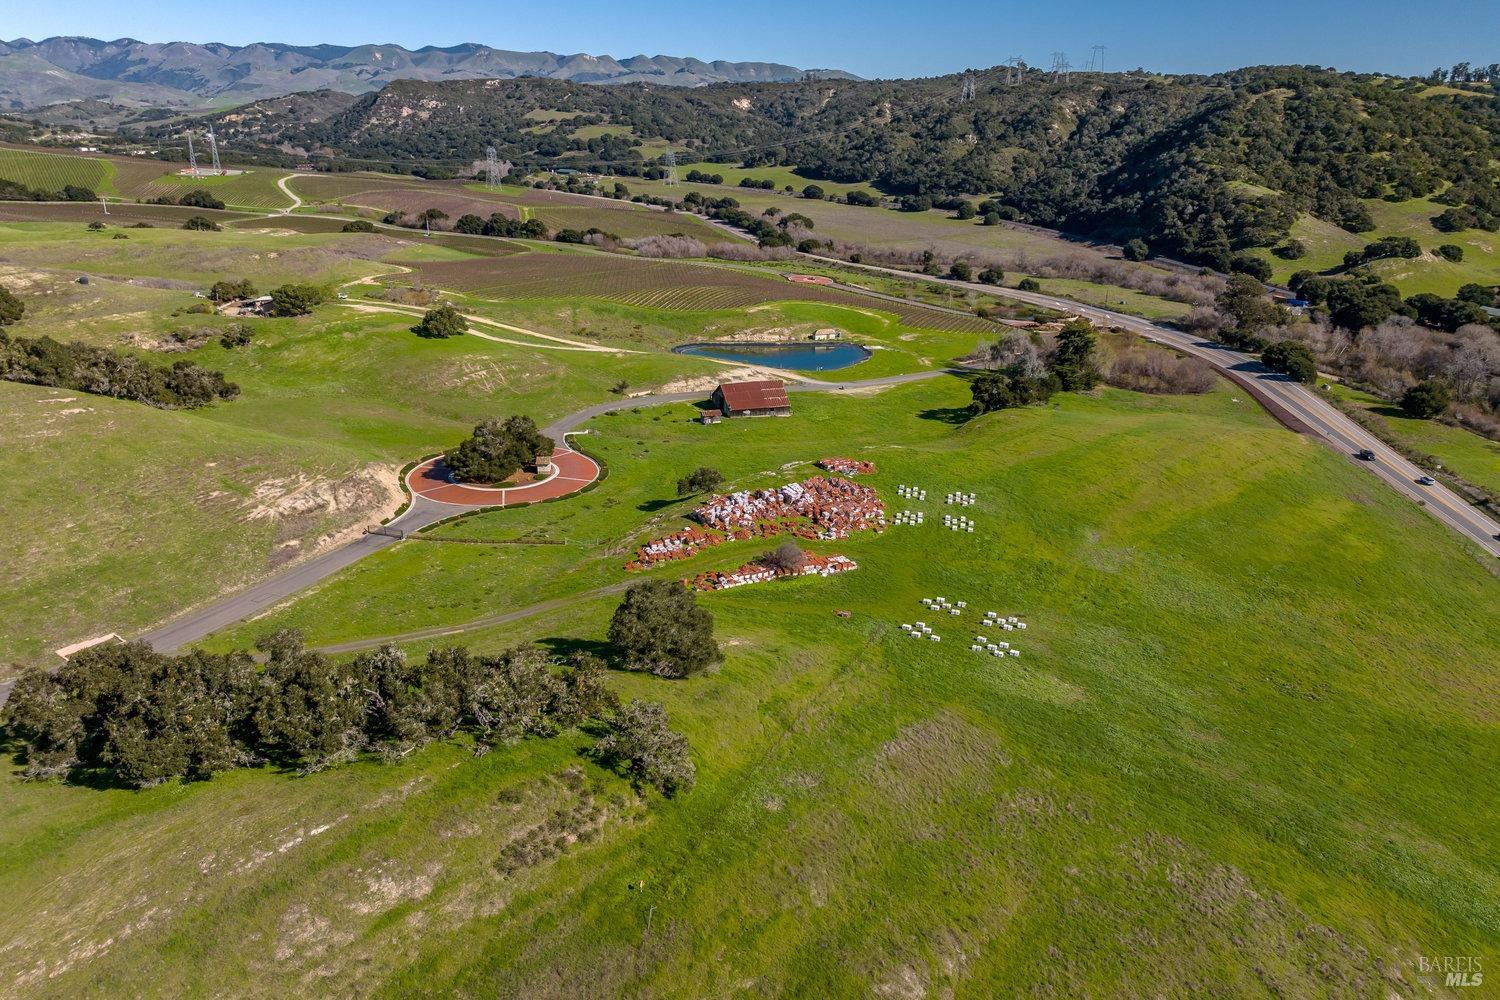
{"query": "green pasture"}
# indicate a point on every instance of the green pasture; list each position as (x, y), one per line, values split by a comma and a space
(1251, 700)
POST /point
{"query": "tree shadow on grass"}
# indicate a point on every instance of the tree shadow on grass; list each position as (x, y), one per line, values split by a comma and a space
(562, 648)
(954, 415)
(652, 506)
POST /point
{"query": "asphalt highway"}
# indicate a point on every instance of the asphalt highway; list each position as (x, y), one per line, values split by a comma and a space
(1295, 404)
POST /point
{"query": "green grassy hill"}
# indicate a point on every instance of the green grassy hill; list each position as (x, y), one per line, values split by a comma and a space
(1237, 755)
(1227, 753)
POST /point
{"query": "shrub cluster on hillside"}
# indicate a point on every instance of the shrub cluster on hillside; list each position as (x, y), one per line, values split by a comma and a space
(660, 628)
(144, 717)
(80, 367)
(443, 322)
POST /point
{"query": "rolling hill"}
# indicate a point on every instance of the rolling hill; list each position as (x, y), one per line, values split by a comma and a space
(1202, 167)
(187, 74)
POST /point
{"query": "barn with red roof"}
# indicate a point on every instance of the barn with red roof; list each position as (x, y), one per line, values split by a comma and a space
(757, 398)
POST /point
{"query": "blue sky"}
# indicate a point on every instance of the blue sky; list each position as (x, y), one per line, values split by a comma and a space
(872, 38)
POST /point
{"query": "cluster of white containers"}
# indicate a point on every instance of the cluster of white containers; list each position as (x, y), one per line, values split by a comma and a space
(957, 522)
(908, 517)
(920, 630)
(911, 492)
(961, 499)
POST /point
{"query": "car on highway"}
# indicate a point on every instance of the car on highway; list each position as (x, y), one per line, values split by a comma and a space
(1426, 481)
(1365, 455)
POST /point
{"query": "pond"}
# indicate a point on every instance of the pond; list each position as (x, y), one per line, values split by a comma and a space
(799, 356)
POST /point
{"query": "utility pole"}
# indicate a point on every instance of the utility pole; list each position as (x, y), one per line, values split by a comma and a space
(491, 166)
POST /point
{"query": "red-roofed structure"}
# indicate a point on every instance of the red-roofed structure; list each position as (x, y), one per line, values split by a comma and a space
(759, 398)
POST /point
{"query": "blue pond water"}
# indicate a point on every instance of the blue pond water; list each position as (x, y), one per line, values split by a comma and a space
(799, 357)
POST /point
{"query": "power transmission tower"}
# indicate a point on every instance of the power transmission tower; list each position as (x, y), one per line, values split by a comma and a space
(1060, 66)
(192, 156)
(1096, 59)
(213, 146)
(670, 163)
(968, 90)
(491, 166)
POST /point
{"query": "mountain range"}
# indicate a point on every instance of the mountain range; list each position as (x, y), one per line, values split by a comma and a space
(192, 75)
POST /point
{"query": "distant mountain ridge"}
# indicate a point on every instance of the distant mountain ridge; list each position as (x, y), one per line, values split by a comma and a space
(190, 74)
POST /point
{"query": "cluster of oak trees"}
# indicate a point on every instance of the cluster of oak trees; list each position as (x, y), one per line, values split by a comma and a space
(142, 717)
(80, 367)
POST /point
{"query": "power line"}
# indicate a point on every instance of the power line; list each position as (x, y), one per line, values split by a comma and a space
(1060, 66)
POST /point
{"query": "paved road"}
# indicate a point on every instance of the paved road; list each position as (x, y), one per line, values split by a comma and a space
(1290, 401)
(198, 624)
(1293, 403)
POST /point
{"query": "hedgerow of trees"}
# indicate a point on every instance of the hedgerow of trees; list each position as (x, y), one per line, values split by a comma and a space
(142, 717)
(80, 367)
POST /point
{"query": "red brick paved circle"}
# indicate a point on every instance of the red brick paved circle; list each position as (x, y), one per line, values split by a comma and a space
(572, 471)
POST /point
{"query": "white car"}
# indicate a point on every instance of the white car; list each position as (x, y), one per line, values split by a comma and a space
(1426, 481)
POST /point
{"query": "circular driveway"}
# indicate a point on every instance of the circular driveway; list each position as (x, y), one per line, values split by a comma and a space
(571, 472)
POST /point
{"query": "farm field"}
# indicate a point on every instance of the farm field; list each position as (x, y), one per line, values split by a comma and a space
(781, 176)
(659, 285)
(120, 214)
(254, 189)
(1234, 724)
(51, 170)
(47, 171)
(557, 209)
(172, 257)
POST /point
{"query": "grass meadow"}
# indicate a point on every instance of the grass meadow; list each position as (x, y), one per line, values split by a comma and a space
(1238, 749)
(1243, 751)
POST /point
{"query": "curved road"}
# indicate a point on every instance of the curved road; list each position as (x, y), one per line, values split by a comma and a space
(423, 512)
(1292, 402)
